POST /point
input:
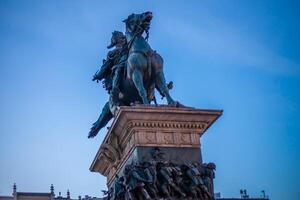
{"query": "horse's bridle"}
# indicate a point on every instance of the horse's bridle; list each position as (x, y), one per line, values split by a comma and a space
(142, 29)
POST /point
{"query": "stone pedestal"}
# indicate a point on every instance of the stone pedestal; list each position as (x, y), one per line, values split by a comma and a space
(136, 130)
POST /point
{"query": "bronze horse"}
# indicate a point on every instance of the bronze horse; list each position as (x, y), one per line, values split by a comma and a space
(143, 63)
(144, 71)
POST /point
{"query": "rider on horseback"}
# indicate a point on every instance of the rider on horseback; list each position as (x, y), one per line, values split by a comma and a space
(114, 65)
(144, 70)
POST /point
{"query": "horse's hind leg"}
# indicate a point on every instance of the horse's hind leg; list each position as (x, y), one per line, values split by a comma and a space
(138, 82)
(161, 84)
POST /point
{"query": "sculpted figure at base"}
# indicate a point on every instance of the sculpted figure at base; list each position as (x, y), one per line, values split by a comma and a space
(209, 175)
(120, 188)
(195, 172)
(131, 71)
(135, 184)
(157, 179)
(149, 173)
(167, 181)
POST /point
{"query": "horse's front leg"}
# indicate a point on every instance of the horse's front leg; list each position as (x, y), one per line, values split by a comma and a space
(138, 82)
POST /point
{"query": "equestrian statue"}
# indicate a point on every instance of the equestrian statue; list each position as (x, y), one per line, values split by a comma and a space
(131, 71)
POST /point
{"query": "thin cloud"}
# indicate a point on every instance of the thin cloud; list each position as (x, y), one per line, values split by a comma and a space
(222, 43)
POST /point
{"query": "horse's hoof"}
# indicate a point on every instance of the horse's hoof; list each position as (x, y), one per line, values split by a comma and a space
(172, 103)
(176, 104)
(179, 105)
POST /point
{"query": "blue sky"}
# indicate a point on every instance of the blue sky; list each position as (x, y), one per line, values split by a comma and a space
(240, 56)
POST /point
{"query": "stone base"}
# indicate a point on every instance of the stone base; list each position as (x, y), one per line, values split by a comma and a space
(136, 130)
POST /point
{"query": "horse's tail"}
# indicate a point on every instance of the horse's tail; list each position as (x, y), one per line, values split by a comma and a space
(103, 119)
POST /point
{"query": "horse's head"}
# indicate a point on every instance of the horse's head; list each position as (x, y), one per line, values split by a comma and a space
(138, 23)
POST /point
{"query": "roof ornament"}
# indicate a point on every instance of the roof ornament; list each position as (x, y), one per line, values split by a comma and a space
(14, 189)
(68, 194)
(52, 189)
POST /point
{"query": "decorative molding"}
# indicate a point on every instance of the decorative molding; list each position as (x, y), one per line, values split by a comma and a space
(167, 124)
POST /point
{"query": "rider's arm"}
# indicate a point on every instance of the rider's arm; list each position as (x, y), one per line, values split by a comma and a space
(107, 64)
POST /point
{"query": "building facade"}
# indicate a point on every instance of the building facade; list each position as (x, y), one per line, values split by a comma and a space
(43, 196)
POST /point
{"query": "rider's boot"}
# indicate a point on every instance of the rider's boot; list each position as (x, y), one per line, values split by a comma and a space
(115, 92)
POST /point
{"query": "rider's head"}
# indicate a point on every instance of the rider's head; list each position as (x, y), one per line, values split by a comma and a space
(117, 38)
